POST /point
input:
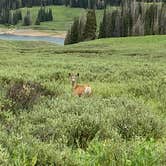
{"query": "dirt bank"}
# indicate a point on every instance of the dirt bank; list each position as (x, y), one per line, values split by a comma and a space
(31, 32)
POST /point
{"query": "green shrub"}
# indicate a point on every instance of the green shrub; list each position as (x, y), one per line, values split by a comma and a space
(143, 152)
(22, 95)
(101, 153)
(4, 157)
(112, 152)
(82, 130)
(49, 131)
(161, 92)
(132, 119)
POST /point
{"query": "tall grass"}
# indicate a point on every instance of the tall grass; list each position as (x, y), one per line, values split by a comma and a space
(123, 123)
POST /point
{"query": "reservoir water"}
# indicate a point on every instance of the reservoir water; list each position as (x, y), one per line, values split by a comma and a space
(55, 40)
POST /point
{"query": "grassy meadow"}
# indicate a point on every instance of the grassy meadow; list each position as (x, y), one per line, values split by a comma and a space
(62, 18)
(123, 123)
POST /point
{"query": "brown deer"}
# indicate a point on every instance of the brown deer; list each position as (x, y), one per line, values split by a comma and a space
(79, 90)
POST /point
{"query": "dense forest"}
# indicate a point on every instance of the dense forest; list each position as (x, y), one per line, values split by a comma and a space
(131, 18)
(134, 19)
(13, 4)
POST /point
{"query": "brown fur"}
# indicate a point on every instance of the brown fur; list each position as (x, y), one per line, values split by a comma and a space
(78, 90)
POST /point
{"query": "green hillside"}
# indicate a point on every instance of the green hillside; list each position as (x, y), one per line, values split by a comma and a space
(122, 123)
(63, 17)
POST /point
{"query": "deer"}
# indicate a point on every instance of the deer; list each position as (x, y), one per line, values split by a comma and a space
(79, 90)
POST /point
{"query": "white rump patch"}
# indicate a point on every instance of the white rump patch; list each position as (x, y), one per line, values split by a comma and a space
(88, 90)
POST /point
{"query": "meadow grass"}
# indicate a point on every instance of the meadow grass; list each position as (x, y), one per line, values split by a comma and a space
(62, 18)
(123, 123)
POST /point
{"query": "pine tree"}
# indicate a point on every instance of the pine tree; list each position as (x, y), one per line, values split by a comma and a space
(75, 31)
(102, 30)
(150, 20)
(37, 22)
(15, 18)
(27, 19)
(68, 38)
(10, 21)
(50, 15)
(115, 29)
(82, 22)
(19, 14)
(162, 19)
(134, 18)
(90, 26)
(44, 15)
(73, 34)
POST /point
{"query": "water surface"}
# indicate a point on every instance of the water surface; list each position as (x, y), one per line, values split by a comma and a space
(49, 39)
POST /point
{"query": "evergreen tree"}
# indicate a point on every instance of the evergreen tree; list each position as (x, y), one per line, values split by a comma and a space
(90, 26)
(102, 30)
(162, 19)
(10, 21)
(149, 20)
(91, 4)
(27, 19)
(134, 18)
(19, 14)
(73, 34)
(50, 15)
(15, 18)
(68, 38)
(4, 16)
(115, 27)
(126, 17)
(82, 23)
(44, 15)
(37, 22)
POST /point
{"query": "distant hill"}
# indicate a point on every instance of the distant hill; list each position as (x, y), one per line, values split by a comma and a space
(63, 17)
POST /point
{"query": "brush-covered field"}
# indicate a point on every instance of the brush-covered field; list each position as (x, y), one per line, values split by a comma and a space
(123, 123)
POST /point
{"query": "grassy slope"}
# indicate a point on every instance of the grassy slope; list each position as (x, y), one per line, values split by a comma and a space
(128, 70)
(63, 17)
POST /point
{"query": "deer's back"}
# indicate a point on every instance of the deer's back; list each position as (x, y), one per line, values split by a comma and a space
(82, 90)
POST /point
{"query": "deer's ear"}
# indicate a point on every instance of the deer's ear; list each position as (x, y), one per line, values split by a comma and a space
(69, 74)
(78, 74)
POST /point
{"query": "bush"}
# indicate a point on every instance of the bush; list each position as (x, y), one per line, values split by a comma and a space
(22, 95)
(101, 153)
(48, 131)
(4, 156)
(143, 152)
(161, 91)
(82, 131)
(133, 119)
(133, 153)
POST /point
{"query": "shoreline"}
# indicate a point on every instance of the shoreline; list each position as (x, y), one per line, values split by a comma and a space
(31, 32)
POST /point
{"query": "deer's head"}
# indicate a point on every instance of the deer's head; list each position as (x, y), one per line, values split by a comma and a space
(73, 78)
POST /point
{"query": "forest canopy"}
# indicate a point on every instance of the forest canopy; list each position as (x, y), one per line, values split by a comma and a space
(13, 4)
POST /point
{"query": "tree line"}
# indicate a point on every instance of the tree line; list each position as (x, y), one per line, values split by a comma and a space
(130, 19)
(82, 29)
(7, 5)
(13, 17)
(15, 4)
(134, 19)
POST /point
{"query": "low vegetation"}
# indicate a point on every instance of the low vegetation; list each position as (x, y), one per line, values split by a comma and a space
(122, 123)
